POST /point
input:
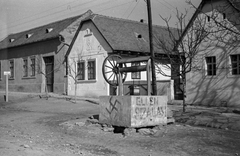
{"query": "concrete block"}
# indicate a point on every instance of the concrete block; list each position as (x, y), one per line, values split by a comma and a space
(133, 111)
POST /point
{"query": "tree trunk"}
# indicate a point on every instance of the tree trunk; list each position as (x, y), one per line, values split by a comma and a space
(75, 96)
(46, 88)
(184, 93)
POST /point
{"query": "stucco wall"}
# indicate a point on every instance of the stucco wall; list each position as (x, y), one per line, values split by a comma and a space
(38, 50)
(96, 49)
(223, 89)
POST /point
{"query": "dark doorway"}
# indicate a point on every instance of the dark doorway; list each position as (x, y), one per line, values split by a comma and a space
(49, 70)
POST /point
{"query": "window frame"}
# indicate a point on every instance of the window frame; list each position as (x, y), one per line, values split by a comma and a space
(12, 71)
(212, 64)
(83, 70)
(135, 75)
(25, 67)
(33, 69)
(237, 62)
(89, 70)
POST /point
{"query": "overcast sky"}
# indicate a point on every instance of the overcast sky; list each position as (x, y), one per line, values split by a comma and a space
(20, 15)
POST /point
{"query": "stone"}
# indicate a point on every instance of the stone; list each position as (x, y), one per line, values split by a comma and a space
(190, 122)
(147, 131)
(80, 124)
(108, 129)
(224, 126)
(129, 131)
(217, 125)
(91, 121)
(170, 120)
(25, 146)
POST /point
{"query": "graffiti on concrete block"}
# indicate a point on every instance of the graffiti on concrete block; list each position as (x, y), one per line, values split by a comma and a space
(148, 108)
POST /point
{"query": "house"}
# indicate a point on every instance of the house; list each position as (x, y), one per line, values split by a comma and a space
(101, 36)
(35, 57)
(67, 56)
(218, 81)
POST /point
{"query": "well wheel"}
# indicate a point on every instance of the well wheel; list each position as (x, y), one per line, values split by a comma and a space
(110, 69)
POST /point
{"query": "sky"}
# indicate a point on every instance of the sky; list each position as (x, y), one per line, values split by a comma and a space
(20, 15)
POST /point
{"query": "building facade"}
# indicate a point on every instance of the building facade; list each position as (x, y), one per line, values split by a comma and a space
(35, 58)
(67, 56)
(216, 83)
(101, 36)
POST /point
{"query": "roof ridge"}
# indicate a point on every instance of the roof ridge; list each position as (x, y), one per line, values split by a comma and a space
(46, 24)
(128, 20)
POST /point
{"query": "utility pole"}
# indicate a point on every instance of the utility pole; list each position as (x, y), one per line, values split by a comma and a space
(154, 87)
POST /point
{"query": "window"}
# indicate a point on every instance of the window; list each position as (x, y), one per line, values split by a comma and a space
(235, 63)
(11, 66)
(92, 70)
(25, 67)
(0, 69)
(211, 65)
(33, 68)
(224, 15)
(208, 18)
(136, 75)
(81, 70)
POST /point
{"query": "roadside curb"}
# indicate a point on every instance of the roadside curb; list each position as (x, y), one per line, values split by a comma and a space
(227, 121)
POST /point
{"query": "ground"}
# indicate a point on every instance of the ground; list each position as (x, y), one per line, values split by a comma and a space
(57, 127)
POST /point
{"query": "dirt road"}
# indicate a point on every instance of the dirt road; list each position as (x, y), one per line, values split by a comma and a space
(56, 127)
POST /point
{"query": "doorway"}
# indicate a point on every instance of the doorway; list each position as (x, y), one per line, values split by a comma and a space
(49, 71)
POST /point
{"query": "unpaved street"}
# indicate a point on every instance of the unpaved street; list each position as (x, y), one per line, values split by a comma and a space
(56, 127)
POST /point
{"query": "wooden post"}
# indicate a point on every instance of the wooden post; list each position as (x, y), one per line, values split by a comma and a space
(154, 86)
(6, 73)
(7, 88)
(120, 85)
(149, 77)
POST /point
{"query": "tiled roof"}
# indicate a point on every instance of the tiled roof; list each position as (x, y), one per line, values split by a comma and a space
(127, 35)
(38, 34)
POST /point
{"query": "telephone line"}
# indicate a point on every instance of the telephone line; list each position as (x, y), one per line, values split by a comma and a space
(43, 12)
(133, 9)
(50, 15)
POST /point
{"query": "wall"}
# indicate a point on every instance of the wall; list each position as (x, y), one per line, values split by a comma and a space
(89, 45)
(222, 89)
(37, 83)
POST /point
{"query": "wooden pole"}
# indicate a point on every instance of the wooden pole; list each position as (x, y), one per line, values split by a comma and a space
(6, 87)
(154, 87)
(149, 77)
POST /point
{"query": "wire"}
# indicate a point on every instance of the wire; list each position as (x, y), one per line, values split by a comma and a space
(42, 17)
(169, 4)
(126, 11)
(133, 9)
(114, 6)
(166, 6)
(43, 11)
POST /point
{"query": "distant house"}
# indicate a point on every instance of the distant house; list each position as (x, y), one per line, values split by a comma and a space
(76, 47)
(35, 57)
(100, 36)
(218, 81)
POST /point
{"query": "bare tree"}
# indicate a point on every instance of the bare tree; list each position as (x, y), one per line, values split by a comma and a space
(41, 70)
(76, 70)
(204, 31)
(181, 47)
(72, 69)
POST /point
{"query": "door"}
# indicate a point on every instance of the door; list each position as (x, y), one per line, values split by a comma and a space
(49, 70)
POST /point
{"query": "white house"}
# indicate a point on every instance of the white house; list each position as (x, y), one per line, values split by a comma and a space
(100, 36)
(218, 81)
